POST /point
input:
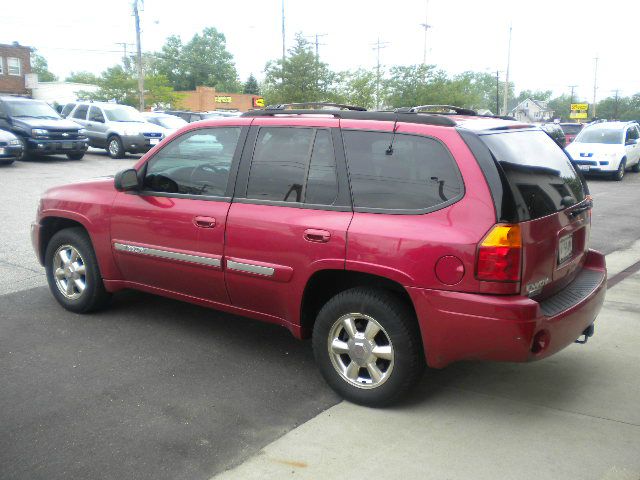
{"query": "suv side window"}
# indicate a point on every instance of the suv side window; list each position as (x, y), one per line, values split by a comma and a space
(95, 115)
(633, 133)
(67, 109)
(293, 165)
(418, 174)
(81, 112)
(197, 163)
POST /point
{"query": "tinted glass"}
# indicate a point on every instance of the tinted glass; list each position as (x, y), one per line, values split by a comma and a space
(123, 114)
(279, 164)
(67, 109)
(632, 133)
(418, 174)
(571, 129)
(539, 173)
(322, 182)
(95, 115)
(197, 163)
(33, 109)
(600, 135)
(81, 112)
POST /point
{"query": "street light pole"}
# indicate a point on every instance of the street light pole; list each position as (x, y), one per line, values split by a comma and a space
(426, 27)
(497, 92)
(139, 55)
(505, 100)
(595, 85)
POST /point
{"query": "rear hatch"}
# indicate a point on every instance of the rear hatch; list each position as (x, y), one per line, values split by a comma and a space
(551, 207)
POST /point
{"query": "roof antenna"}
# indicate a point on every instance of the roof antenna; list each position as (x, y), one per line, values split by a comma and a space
(389, 150)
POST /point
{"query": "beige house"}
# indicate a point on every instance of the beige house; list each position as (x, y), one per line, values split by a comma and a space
(532, 111)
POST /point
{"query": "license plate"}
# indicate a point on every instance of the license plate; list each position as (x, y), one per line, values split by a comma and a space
(585, 168)
(67, 145)
(565, 249)
(154, 141)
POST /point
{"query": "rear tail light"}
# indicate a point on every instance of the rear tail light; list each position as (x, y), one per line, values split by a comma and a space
(500, 255)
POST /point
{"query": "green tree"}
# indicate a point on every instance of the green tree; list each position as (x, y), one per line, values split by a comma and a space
(116, 83)
(304, 79)
(413, 85)
(358, 88)
(251, 86)
(40, 66)
(204, 60)
(561, 106)
(82, 77)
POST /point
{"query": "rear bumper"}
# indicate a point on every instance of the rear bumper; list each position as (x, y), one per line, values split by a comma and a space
(139, 143)
(464, 326)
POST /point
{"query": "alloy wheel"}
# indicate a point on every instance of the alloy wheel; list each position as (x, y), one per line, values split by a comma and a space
(360, 350)
(69, 272)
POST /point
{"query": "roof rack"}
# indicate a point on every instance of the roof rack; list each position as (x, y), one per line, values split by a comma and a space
(443, 109)
(400, 116)
(322, 105)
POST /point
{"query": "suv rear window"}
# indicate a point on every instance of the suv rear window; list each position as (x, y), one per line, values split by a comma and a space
(571, 129)
(539, 173)
(419, 173)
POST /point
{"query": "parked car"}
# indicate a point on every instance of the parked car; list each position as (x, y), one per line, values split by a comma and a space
(10, 148)
(40, 130)
(571, 130)
(169, 123)
(555, 132)
(197, 116)
(119, 129)
(66, 109)
(607, 148)
(392, 239)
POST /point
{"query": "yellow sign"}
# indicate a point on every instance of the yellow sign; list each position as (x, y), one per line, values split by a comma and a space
(223, 99)
(258, 102)
(578, 115)
(579, 107)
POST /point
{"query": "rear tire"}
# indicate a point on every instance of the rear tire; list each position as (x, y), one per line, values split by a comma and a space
(367, 345)
(636, 167)
(72, 272)
(115, 149)
(618, 175)
(75, 156)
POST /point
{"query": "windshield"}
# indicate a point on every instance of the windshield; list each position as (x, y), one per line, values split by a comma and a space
(571, 129)
(600, 135)
(540, 175)
(123, 114)
(171, 122)
(31, 109)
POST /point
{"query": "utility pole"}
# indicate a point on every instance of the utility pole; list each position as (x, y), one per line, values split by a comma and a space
(139, 47)
(378, 46)
(505, 100)
(426, 27)
(317, 43)
(572, 87)
(497, 92)
(615, 108)
(284, 52)
(595, 85)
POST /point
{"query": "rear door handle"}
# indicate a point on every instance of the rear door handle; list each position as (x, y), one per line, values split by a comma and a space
(204, 222)
(317, 236)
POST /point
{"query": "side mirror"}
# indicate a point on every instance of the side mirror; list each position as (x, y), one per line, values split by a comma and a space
(127, 180)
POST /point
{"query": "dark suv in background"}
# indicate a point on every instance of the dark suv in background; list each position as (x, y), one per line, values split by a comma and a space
(40, 129)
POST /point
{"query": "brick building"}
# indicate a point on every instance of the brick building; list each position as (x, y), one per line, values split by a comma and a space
(204, 99)
(15, 63)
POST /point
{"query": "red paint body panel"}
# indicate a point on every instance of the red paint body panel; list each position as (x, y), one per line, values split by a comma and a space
(461, 326)
(274, 237)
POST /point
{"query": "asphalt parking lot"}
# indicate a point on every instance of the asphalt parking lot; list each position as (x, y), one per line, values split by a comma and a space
(154, 388)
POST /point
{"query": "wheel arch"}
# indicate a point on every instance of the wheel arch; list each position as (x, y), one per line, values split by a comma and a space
(324, 284)
(51, 225)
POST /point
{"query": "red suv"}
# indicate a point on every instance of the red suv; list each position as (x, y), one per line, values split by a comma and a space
(390, 238)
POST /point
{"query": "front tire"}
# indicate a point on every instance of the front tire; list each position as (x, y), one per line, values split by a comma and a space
(618, 175)
(72, 272)
(25, 155)
(115, 147)
(75, 156)
(367, 346)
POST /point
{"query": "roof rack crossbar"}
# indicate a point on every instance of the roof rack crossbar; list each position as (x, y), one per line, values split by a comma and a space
(340, 106)
(434, 109)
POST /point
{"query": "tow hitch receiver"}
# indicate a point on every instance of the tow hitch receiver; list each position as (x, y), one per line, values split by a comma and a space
(588, 332)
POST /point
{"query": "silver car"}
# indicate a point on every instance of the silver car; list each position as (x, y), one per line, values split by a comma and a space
(169, 123)
(119, 129)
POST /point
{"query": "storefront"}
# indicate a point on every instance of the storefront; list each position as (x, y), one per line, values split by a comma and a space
(204, 99)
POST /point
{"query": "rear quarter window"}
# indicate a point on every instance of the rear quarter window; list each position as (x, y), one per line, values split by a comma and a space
(541, 176)
(417, 175)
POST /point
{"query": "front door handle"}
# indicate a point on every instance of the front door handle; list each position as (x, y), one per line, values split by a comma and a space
(204, 222)
(317, 236)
